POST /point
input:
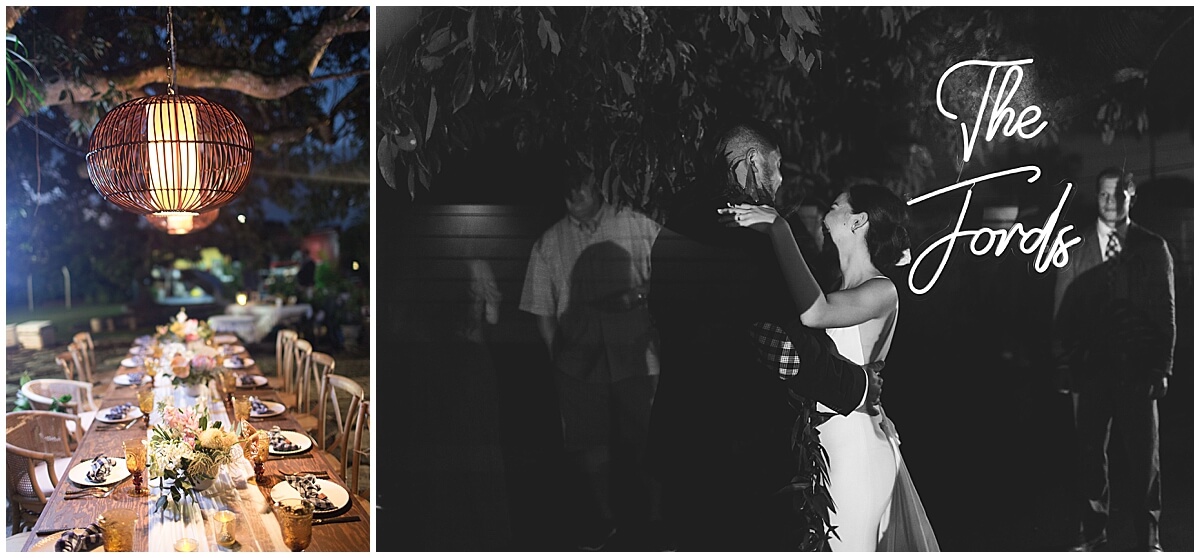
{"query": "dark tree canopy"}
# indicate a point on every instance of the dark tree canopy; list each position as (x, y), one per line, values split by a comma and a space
(633, 93)
(298, 77)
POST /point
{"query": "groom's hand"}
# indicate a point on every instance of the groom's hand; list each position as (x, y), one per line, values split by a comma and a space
(874, 387)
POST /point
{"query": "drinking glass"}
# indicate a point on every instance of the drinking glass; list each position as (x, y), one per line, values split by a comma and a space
(117, 526)
(135, 461)
(241, 408)
(145, 399)
(262, 448)
(227, 532)
(295, 520)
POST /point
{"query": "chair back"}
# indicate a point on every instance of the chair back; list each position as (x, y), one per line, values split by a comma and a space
(31, 437)
(344, 397)
(67, 363)
(302, 374)
(285, 357)
(321, 365)
(79, 359)
(361, 425)
(87, 348)
(41, 393)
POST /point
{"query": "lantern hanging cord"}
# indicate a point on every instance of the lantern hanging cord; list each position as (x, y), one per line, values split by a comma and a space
(171, 62)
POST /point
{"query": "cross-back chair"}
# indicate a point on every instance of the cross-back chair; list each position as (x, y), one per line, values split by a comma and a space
(87, 355)
(343, 396)
(37, 452)
(67, 363)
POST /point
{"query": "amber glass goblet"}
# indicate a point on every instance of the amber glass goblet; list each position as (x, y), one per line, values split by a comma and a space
(145, 398)
(135, 461)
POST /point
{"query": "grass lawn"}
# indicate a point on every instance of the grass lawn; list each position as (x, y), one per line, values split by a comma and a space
(66, 321)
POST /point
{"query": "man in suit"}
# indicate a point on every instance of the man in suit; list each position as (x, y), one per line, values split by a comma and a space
(720, 426)
(1114, 323)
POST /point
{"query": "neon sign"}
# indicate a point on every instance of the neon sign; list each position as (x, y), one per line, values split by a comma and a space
(1051, 248)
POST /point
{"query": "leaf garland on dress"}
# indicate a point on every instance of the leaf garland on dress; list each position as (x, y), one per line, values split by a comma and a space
(809, 488)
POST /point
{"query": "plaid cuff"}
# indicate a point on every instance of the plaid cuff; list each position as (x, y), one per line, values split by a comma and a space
(775, 349)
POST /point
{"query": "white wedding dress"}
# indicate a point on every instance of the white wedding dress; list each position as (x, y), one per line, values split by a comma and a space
(876, 506)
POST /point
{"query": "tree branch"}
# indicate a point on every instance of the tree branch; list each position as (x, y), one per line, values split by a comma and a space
(333, 28)
(92, 87)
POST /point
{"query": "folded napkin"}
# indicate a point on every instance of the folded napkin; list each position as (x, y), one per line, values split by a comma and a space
(240, 468)
(101, 467)
(70, 541)
(279, 442)
(144, 341)
(135, 378)
(246, 380)
(258, 407)
(235, 361)
(119, 412)
(308, 488)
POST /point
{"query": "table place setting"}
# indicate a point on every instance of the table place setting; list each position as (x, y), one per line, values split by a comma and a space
(199, 476)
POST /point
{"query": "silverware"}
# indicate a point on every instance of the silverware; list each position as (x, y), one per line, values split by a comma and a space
(341, 519)
(324, 474)
(91, 494)
(88, 490)
(301, 456)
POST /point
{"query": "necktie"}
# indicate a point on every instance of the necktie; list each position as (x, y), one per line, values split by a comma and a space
(1114, 246)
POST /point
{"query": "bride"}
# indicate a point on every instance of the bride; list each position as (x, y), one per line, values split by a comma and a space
(876, 506)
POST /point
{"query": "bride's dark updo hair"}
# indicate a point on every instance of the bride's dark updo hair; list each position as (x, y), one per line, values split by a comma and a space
(887, 237)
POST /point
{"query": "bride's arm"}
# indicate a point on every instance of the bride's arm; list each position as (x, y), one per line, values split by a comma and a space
(873, 299)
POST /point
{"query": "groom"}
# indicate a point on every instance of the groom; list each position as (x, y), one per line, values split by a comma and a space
(721, 424)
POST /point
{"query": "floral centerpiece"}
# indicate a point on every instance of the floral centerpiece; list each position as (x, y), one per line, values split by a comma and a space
(198, 371)
(186, 452)
(183, 329)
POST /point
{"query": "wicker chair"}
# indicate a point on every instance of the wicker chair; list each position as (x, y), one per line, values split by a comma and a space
(37, 451)
(42, 393)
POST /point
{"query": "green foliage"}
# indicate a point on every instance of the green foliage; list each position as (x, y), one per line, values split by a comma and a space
(809, 488)
(20, 86)
(633, 93)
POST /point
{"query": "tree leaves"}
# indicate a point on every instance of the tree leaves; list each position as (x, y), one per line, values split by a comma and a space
(798, 19)
(433, 107)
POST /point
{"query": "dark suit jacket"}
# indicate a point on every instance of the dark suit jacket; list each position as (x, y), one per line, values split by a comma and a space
(1114, 321)
(715, 402)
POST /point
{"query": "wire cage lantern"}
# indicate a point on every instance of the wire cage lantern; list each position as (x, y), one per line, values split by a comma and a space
(183, 223)
(170, 154)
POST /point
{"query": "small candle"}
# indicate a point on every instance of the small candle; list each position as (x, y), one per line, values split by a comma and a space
(186, 545)
(226, 536)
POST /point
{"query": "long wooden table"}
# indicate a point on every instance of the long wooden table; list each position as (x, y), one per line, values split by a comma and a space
(332, 537)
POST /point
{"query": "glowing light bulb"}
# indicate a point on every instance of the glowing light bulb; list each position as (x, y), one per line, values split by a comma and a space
(173, 155)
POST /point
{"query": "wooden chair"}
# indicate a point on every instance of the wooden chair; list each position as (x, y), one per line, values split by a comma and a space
(37, 453)
(361, 425)
(285, 362)
(87, 360)
(339, 448)
(79, 358)
(42, 393)
(67, 362)
(302, 387)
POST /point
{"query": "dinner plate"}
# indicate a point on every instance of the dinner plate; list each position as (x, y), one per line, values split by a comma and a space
(225, 339)
(46, 544)
(337, 495)
(133, 362)
(144, 341)
(133, 414)
(259, 381)
(297, 438)
(233, 349)
(138, 350)
(246, 363)
(123, 379)
(273, 409)
(118, 473)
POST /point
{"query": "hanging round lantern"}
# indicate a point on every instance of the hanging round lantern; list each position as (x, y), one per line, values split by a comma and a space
(183, 223)
(170, 155)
